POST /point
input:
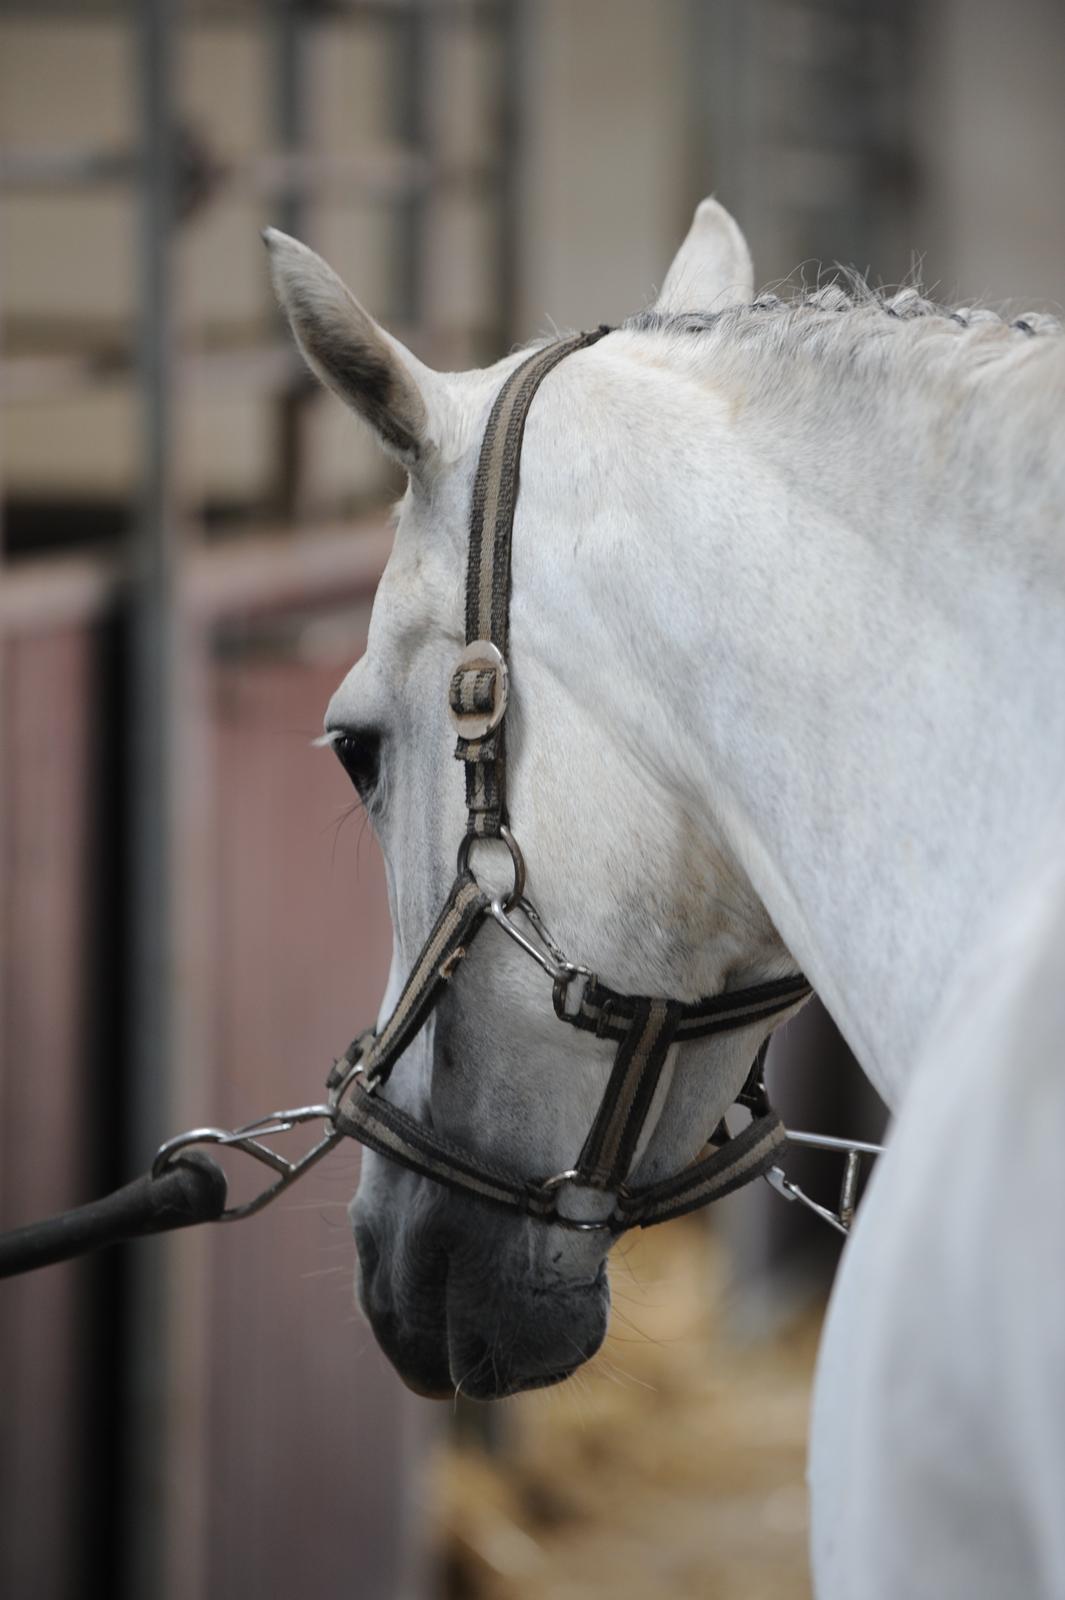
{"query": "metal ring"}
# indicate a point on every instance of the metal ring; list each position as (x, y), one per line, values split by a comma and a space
(557, 1220)
(370, 1085)
(516, 857)
(571, 1175)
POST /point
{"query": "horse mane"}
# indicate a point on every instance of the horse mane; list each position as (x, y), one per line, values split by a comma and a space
(882, 369)
(862, 336)
(793, 310)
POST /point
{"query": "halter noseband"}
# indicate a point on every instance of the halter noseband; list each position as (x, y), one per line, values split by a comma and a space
(643, 1027)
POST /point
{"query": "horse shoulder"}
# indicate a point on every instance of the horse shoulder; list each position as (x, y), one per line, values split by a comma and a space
(937, 1449)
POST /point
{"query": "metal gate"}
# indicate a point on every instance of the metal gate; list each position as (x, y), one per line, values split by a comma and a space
(183, 938)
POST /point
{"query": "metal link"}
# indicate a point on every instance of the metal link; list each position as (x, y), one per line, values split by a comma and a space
(854, 1149)
(517, 861)
(249, 1139)
(571, 1175)
(561, 972)
(498, 912)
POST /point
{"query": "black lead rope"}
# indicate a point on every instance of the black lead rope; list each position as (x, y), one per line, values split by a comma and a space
(185, 1187)
(191, 1190)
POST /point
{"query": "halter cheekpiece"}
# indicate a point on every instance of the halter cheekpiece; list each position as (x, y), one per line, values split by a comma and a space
(643, 1027)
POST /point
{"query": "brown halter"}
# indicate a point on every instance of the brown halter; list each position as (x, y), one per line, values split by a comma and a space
(644, 1027)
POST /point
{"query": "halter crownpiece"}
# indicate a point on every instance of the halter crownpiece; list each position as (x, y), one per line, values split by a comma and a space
(643, 1027)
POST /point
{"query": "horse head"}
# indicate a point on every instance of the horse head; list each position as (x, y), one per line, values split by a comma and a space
(626, 859)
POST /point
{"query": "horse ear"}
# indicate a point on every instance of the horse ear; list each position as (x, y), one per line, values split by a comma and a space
(351, 353)
(712, 269)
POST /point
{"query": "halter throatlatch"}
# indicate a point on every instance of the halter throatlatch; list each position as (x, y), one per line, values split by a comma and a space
(643, 1027)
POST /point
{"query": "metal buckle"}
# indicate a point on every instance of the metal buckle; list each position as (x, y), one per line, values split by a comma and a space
(481, 653)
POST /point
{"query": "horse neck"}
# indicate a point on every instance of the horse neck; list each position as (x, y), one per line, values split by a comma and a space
(867, 650)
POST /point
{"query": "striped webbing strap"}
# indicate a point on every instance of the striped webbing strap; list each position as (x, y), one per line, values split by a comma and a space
(611, 1015)
(377, 1053)
(495, 494)
(649, 1027)
(724, 1167)
(607, 1153)
(645, 1029)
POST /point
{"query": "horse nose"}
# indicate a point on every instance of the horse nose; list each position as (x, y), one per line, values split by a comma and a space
(480, 1373)
(533, 1351)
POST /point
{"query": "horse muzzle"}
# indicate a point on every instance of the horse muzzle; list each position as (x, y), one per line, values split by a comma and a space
(485, 1318)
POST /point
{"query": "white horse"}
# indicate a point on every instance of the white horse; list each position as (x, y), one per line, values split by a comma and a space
(788, 655)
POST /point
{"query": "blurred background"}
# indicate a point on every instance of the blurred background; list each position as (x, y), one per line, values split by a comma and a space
(192, 918)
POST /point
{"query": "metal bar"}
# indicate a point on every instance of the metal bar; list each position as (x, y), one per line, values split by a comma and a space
(150, 953)
(39, 379)
(826, 1141)
(65, 167)
(33, 379)
(848, 1194)
(790, 1191)
(410, 98)
(267, 571)
(382, 173)
(272, 570)
(153, 562)
(291, 50)
(208, 11)
(263, 367)
(515, 49)
(42, 596)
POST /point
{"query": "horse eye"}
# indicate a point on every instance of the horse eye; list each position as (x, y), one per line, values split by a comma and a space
(359, 754)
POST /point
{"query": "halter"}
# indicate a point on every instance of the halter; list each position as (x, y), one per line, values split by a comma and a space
(644, 1027)
(185, 1187)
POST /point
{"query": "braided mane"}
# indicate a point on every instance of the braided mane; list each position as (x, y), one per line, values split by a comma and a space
(793, 311)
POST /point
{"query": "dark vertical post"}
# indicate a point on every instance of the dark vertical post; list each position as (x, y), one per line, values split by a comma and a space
(410, 100)
(290, 45)
(154, 558)
(514, 48)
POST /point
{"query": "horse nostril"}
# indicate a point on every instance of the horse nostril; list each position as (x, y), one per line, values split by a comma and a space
(368, 1253)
